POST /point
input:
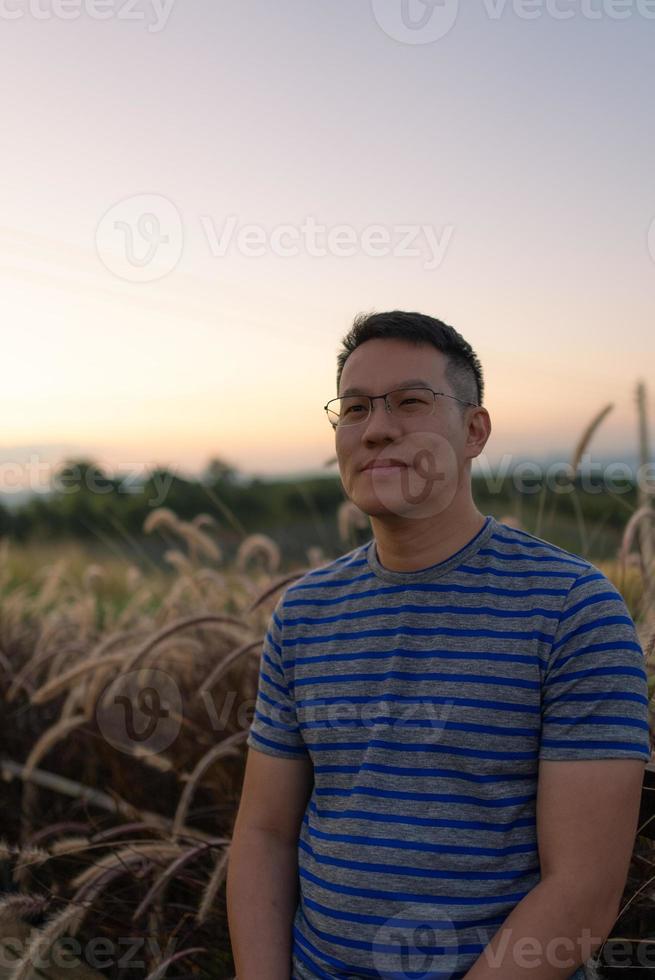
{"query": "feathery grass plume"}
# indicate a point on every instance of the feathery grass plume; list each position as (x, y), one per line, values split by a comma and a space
(53, 576)
(93, 577)
(19, 906)
(156, 760)
(42, 941)
(258, 545)
(182, 647)
(647, 531)
(75, 701)
(315, 556)
(44, 650)
(91, 882)
(111, 640)
(85, 614)
(163, 966)
(129, 662)
(6, 666)
(133, 577)
(204, 520)
(49, 738)
(30, 854)
(157, 887)
(134, 606)
(586, 436)
(185, 594)
(70, 845)
(629, 532)
(199, 543)
(67, 655)
(27, 857)
(583, 442)
(94, 683)
(228, 747)
(54, 686)
(218, 876)
(350, 518)
(210, 575)
(183, 587)
(102, 836)
(649, 648)
(646, 493)
(178, 560)
(162, 517)
(275, 587)
(213, 620)
(14, 608)
(628, 580)
(111, 802)
(222, 668)
(511, 521)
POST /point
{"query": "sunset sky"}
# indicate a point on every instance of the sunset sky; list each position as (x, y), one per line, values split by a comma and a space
(520, 150)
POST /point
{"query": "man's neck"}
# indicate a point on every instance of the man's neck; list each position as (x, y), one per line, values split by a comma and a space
(413, 545)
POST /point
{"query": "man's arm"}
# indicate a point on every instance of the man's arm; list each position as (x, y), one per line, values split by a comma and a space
(262, 885)
(262, 874)
(587, 813)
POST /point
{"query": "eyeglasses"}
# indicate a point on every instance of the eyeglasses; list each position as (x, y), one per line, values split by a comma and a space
(405, 403)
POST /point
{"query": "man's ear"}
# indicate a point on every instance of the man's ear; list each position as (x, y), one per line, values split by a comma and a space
(479, 430)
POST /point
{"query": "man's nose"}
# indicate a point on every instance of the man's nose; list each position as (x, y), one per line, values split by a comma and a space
(380, 420)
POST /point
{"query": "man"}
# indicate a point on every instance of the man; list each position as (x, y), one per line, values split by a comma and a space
(451, 722)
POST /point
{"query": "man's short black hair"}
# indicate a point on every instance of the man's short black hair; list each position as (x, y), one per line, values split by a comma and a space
(463, 369)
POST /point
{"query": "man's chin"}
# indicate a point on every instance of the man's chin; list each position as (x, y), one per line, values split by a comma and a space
(371, 504)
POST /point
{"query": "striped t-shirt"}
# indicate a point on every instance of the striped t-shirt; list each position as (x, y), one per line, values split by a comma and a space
(425, 701)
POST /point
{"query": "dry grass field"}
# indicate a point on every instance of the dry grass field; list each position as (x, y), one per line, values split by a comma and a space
(114, 833)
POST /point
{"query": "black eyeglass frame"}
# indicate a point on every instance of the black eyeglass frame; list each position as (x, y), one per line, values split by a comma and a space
(372, 398)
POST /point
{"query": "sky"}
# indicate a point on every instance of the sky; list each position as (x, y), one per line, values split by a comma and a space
(197, 198)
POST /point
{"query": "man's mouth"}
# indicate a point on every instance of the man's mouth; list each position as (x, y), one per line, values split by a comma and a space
(385, 464)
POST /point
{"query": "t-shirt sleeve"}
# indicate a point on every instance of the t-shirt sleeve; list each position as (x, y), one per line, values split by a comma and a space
(595, 688)
(274, 728)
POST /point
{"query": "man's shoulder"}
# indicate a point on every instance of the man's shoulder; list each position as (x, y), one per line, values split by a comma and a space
(508, 540)
(340, 571)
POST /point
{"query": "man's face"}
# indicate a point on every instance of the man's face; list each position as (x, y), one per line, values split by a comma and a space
(433, 448)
